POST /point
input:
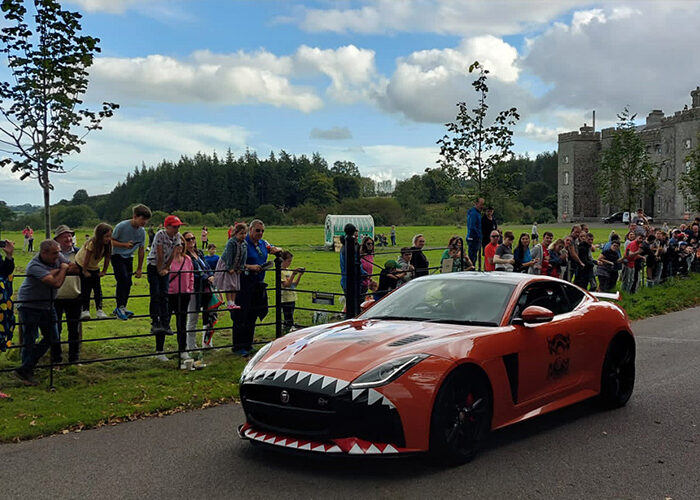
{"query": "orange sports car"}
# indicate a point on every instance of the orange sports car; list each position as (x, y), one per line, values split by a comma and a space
(437, 364)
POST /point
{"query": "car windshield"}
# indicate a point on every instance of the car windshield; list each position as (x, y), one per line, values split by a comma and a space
(459, 301)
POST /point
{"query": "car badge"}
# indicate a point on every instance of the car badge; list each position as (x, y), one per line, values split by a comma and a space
(322, 401)
(284, 397)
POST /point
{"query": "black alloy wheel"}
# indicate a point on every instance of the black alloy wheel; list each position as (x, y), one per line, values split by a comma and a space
(617, 379)
(461, 418)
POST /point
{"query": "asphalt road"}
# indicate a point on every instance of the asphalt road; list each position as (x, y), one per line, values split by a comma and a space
(647, 450)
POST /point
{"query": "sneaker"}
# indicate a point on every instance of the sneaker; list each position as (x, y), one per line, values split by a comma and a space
(101, 314)
(128, 313)
(185, 355)
(4, 396)
(242, 352)
(187, 364)
(25, 378)
(161, 357)
(85, 315)
(231, 305)
(166, 330)
(119, 313)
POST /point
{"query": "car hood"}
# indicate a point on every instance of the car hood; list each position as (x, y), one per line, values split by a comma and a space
(354, 346)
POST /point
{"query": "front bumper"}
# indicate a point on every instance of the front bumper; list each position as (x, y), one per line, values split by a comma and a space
(301, 410)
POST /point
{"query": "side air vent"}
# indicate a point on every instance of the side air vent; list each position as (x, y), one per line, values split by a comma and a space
(407, 340)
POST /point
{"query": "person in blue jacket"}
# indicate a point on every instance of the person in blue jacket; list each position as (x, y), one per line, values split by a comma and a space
(474, 230)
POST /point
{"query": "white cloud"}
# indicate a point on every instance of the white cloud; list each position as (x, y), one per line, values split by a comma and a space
(165, 79)
(451, 17)
(611, 57)
(386, 161)
(426, 85)
(110, 6)
(239, 78)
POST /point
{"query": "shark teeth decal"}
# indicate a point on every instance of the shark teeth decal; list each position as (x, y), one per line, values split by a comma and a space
(373, 397)
(351, 446)
(340, 385)
(329, 384)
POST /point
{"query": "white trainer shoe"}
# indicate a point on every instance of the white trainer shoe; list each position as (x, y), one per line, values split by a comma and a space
(101, 314)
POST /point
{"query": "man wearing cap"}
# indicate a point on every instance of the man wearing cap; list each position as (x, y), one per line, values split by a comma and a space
(388, 279)
(128, 236)
(45, 274)
(165, 243)
(68, 300)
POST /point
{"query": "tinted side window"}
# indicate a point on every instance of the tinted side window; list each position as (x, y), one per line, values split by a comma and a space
(574, 295)
(548, 295)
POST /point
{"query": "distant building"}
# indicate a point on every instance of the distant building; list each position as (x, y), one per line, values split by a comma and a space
(385, 187)
(668, 141)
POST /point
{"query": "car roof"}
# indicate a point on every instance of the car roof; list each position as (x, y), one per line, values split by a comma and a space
(492, 276)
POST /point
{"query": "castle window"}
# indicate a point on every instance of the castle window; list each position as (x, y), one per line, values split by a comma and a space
(687, 144)
(566, 178)
(657, 148)
(687, 166)
(566, 160)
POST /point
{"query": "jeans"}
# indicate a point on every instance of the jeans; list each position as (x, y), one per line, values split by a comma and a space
(179, 303)
(158, 305)
(71, 308)
(123, 268)
(33, 321)
(288, 312)
(253, 301)
(393, 240)
(473, 247)
(87, 285)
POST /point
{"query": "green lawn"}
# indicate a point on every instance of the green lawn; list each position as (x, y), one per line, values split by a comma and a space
(95, 394)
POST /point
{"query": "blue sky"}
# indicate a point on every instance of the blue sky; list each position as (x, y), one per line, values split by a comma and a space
(367, 81)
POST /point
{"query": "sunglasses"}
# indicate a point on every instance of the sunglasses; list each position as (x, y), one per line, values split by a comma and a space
(494, 236)
(259, 230)
(190, 239)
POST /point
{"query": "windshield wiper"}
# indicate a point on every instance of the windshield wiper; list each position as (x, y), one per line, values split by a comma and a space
(462, 322)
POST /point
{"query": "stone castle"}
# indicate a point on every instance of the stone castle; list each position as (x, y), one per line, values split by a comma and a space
(668, 141)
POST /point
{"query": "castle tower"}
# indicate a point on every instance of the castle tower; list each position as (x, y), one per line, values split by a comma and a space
(695, 95)
(579, 154)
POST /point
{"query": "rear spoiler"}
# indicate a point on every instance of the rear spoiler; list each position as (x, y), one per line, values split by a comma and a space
(610, 296)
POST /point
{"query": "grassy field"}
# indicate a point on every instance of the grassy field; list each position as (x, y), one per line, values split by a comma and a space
(95, 394)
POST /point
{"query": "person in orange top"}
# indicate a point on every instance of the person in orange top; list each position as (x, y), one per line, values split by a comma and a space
(490, 251)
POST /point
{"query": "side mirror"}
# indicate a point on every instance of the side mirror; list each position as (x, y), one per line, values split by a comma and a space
(534, 315)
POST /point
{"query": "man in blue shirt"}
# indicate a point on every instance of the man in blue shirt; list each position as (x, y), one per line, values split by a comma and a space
(127, 237)
(474, 230)
(252, 297)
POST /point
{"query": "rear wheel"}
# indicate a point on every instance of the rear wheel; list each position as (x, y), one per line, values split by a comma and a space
(617, 379)
(461, 418)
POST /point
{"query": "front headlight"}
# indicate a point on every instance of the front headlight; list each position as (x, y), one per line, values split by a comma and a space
(386, 372)
(254, 360)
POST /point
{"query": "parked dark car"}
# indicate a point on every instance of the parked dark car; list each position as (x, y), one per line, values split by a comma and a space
(622, 218)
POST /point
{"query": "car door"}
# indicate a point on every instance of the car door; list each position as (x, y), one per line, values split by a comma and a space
(544, 354)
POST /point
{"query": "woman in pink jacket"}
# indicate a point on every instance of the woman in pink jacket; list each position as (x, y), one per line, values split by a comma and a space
(180, 289)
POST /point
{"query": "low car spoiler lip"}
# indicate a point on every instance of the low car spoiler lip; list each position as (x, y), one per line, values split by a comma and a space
(605, 295)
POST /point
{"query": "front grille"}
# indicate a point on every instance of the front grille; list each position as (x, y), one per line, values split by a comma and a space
(313, 415)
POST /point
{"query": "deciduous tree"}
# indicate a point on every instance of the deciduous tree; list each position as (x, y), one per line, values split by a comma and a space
(625, 174)
(472, 147)
(48, 59)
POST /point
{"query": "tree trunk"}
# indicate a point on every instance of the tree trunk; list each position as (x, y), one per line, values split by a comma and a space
(47, 212)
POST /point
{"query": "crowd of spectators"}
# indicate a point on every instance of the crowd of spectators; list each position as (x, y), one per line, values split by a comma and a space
(188, 284)
(61, 277)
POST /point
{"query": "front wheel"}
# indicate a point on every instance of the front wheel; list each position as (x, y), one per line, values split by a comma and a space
(617, 379)
(461, 418)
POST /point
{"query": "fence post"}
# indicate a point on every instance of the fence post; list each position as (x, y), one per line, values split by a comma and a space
(278, 297)
(352, 277)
